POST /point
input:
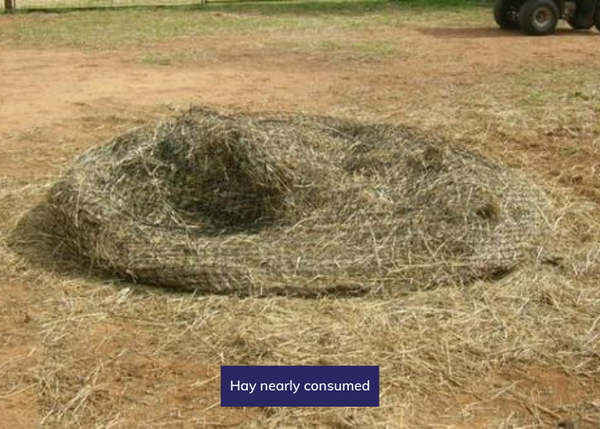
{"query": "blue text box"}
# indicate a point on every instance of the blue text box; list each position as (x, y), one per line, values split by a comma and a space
(299, 386)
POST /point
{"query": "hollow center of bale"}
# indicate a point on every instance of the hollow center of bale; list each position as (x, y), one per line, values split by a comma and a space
(236, 177)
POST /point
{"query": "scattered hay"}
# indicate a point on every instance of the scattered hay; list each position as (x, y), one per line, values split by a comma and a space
(253, 204)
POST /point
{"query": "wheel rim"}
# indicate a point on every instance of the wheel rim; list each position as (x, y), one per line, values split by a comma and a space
(542, 18)
(513, 11)
(513, 14)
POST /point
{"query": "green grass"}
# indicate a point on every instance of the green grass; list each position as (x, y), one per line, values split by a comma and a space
(174, 57)
(333, 50)
(552, 100)
(116, 28)
(265, 6)
(373, 49)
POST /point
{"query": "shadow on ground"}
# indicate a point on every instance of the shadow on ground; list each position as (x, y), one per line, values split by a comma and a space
(34, 240)
(491, 32)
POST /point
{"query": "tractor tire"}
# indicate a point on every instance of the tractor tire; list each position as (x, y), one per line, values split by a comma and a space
(580, 23)
(538, 17)
(584, 15)
(597, 18)
(506, 14)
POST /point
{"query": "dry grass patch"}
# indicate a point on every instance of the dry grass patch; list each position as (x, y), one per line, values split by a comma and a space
(520, 351)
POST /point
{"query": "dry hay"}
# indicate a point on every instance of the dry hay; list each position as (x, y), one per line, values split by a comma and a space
(267, 204)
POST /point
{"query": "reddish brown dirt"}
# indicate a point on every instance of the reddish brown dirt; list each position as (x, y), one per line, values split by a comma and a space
(55, 103)
(18, 341)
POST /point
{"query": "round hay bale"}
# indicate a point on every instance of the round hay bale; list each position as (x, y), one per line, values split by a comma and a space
(289, 204)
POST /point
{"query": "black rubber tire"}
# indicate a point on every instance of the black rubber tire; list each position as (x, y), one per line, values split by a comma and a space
(584, 15)
(506, 13)
(580, 23)
(597, 18)
(538, 17)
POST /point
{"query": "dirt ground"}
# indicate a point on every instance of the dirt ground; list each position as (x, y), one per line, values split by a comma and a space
(533, 103)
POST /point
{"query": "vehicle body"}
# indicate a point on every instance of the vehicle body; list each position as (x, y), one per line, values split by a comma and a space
(540, 17)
